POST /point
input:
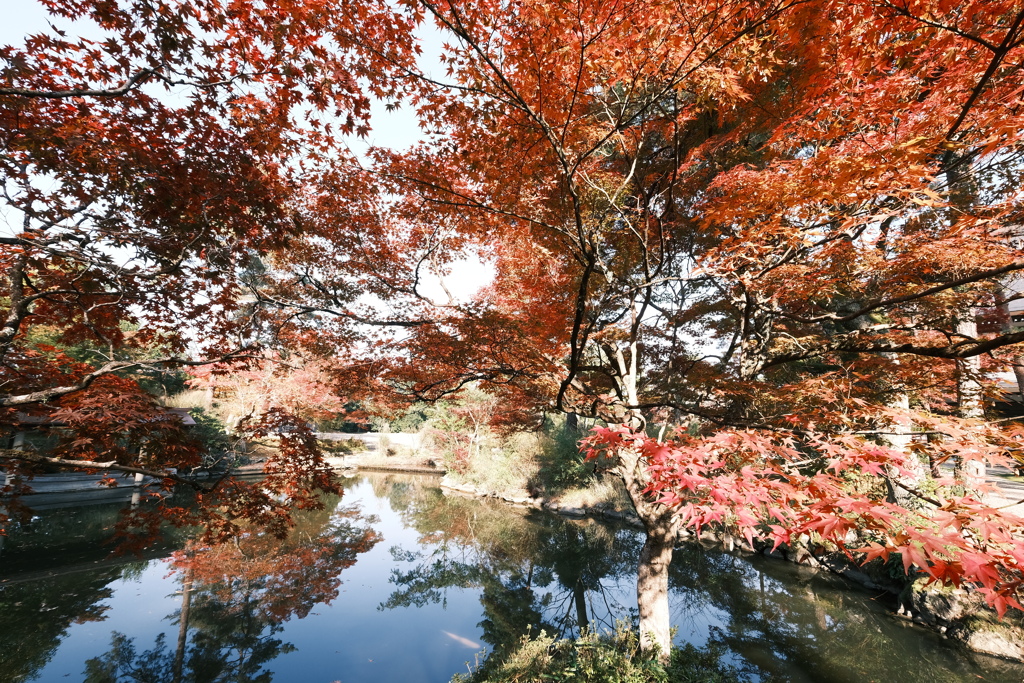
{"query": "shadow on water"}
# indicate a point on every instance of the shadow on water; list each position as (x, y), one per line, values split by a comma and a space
(802, 626)
(235, 612)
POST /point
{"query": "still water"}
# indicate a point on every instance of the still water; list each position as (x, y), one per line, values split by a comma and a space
(397, 582)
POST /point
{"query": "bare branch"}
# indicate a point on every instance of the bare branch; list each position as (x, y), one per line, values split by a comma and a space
(109, 466)
(123, 89)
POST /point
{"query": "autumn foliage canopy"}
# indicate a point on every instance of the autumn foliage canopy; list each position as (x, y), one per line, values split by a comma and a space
(769, 243)
(152, 154)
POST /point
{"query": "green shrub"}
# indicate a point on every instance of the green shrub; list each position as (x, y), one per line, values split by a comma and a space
(563, 466)
(613, 658)
(220, 450)
(547, 461)
(412, 420)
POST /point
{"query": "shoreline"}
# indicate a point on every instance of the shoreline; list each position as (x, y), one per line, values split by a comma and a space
(957, 615)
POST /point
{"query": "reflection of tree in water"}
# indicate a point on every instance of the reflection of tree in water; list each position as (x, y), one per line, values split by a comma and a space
(55, 571)
(37, 615)
(236, 597)
(536, 572)
(404, 492)
(800, 626)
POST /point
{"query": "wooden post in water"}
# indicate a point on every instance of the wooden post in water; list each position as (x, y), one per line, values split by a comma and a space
(580, 598)
(17, 444)
(137, 485)
(137, 490)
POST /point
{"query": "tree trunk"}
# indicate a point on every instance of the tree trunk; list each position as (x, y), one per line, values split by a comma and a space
(898, 435)
(969, 394)
(900, 483)
(963, 193)
(659, 521)
(661, 526)
(652, 590)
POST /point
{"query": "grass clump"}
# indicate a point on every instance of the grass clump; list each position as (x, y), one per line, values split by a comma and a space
(189, 398)
(612, 658)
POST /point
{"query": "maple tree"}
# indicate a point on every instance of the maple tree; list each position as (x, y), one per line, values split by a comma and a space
(755, 237)
(151, 153)
(302, 386)
(765, 232)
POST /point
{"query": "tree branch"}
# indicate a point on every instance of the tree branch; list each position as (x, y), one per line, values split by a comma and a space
(110, 466)
(857, 342)
(44, 395)
(135, 80)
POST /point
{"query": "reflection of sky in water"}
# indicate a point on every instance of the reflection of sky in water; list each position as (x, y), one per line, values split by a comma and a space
(765, 612)
(137, 608)
(349, 640)
(354, 641)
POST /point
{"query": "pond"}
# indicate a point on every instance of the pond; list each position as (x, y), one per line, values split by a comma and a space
(396, 581)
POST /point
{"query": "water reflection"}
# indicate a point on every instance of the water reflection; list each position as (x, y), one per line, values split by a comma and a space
(459, 574)
(535, 573)
(56, 573)
(802, 626)
(236, 597)
(37, 616)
